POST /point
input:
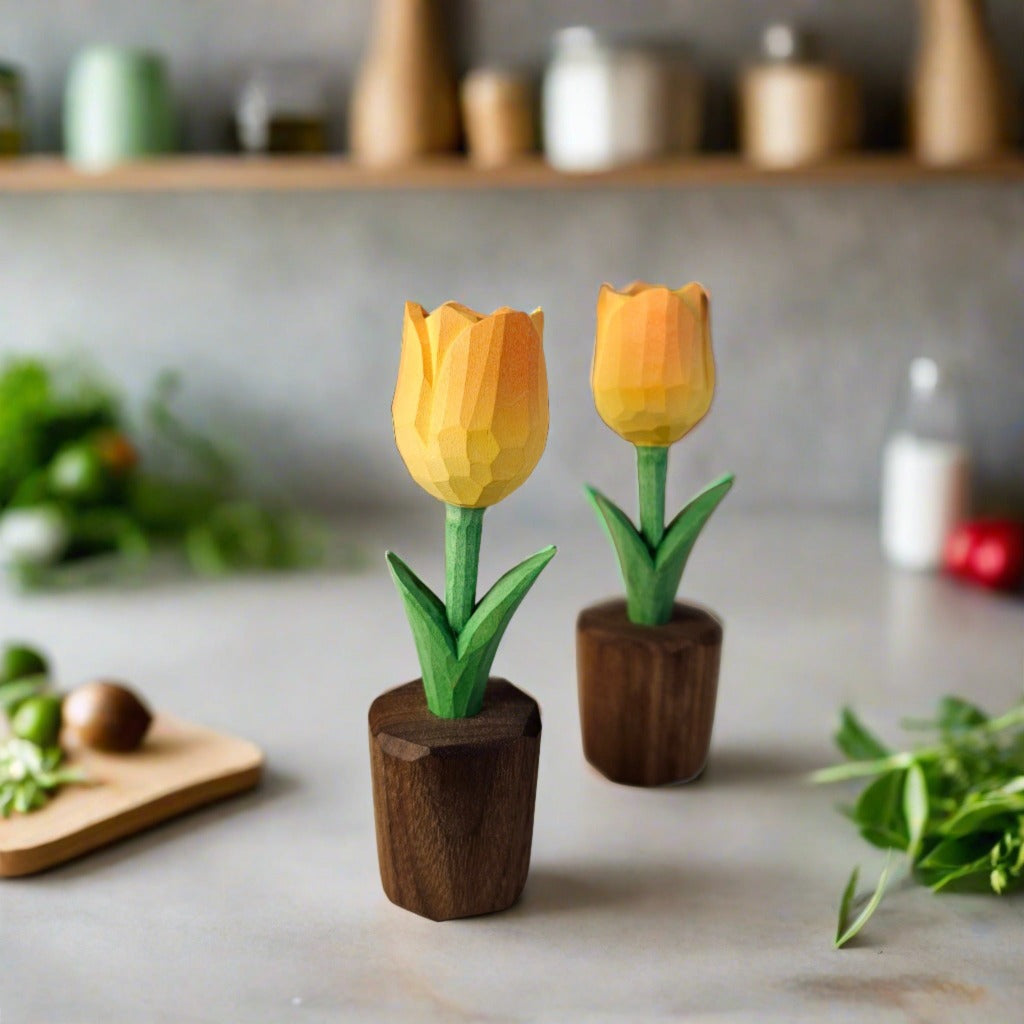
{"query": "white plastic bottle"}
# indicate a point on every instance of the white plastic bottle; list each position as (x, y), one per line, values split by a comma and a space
(926, 470)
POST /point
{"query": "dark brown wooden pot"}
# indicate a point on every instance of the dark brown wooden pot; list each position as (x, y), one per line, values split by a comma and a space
(647, 693)
(453, 800)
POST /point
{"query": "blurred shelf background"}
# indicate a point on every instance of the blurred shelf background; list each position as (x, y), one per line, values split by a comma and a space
(281, 174)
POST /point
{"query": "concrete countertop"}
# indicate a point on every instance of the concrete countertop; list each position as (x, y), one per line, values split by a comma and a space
(711, 902)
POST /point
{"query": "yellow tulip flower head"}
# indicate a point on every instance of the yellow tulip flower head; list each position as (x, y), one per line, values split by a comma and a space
(471, 405)
(653, 374)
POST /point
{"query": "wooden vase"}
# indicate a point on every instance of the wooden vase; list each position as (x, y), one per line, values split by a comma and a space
(961, 108)
(647, 693)
(404, 102)
(453, 800)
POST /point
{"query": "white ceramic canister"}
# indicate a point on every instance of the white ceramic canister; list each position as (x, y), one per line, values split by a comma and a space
(605, 105)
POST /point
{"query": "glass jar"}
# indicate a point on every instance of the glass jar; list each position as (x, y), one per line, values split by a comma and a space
(925, 470)
(282, 108)
(603, 105)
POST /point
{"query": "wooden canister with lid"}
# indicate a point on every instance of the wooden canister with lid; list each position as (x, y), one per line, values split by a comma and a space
(795, 110)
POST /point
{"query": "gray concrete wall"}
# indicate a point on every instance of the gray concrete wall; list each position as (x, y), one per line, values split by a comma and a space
(284, 310)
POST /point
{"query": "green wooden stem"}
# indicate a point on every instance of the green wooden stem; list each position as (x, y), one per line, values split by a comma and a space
(463, 528)
(652, 470)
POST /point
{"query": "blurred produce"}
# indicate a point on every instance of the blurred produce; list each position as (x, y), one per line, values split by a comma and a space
(955, 806)
(11, 141)
(73, 486)
(19, 661)
(404, 103)
(282, 108)
(31, 760)
(497, 110)
(988, 553)
(38, 720)
(795, 109)
(961, 100)
(605, 105)
(925, 471)
(117, 108)
(107, 716)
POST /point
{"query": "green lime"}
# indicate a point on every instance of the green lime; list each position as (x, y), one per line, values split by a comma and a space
(16, 692)
(78, 473)
(19, 661)
(38, 720)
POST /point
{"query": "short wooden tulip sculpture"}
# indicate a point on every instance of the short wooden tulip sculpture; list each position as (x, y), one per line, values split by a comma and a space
(454, 754)
(648, 666)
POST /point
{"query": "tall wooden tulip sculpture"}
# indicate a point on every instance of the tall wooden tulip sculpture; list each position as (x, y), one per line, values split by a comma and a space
(648, 666)
(454, 755)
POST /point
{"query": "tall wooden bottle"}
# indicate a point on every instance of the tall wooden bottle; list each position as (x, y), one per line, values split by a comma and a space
(404, 104)
(960, 103)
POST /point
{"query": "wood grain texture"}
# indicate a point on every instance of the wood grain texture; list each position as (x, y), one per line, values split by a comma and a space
(206, 173)
(453, 800)
(179, 767)
(647, 693)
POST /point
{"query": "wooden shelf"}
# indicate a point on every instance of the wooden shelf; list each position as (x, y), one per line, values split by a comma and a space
(230, 173)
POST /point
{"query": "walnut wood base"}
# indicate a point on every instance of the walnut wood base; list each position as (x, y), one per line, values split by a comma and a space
(647, 693)
(453, 800)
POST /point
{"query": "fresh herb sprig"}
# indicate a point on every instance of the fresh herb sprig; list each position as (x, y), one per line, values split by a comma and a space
(78, 505)
(954, 806)
(29, 775)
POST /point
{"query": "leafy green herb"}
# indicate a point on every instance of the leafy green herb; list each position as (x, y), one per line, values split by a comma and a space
(77, 508)
(848, 929)
(955, 806)
(29, 774)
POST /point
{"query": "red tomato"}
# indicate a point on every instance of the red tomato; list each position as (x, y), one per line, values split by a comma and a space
(989, 553)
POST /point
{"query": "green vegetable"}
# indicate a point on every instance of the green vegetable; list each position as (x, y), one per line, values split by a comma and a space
(38, 720)
(16, 692)
(19, 661)
(954, 806)
(79, 474)
(76, 508)
(43, 408)
(29, 774)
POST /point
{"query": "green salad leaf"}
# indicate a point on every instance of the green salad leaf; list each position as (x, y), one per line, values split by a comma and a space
(29, 775)
(954, 806)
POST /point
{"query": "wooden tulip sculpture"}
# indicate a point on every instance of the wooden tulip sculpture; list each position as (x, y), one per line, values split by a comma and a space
(653, 380)
(648, 671)
(471, 422)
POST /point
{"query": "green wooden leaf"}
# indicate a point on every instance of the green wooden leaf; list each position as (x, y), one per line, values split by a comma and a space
(652, 577)
(432, 635)
(492, 615)
(845, 934)
(683, 531)
(455, 670)
(478, 642)
(634, 557)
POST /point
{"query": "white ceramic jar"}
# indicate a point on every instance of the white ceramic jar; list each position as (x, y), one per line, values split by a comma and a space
(605, 105)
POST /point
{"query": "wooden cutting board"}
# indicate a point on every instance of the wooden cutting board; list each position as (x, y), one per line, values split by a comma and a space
(180, 766)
